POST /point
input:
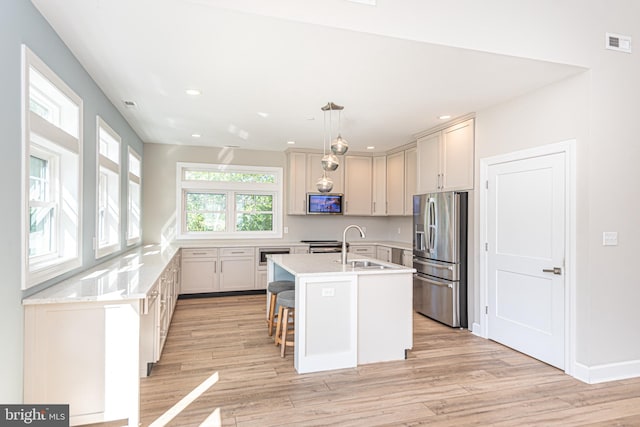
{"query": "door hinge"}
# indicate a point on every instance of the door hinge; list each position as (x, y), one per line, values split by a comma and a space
(486, 309)
(486, 184)
(486, 246)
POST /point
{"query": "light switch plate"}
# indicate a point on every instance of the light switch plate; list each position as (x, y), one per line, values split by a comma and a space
(328, 292)
(610, 238)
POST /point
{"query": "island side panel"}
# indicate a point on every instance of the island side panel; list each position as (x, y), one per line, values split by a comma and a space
(326, 323)
(385, 317)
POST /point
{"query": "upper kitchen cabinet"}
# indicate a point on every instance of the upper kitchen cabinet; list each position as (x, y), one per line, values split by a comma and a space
(304, 170)
(379, 186)
(401, 181)
(358, 185)
(445, 159)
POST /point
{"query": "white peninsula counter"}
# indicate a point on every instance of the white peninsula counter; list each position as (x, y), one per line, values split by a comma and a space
(347, 315)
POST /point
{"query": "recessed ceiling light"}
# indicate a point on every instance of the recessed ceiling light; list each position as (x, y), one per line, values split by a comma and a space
(445, 117)
(196, 135)
(261, 114)
(193, 92)
(371, 147)
(291, 142)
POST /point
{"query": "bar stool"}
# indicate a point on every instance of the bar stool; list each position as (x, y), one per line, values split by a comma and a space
(286, 302)
(275, 288)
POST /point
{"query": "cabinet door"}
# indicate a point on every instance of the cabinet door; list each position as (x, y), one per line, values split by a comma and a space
(428, 153)
(357, 185)
(407, 258)
(410, 178)
(457, 156)
(236, 273)
(261, 279)
(383, 253)
(297, 196)
(379, 182)
(314, 172)
(395, 183)
(199, 275)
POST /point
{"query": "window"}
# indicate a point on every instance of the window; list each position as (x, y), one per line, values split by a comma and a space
(52, 118)
(221, 201)
(108, 218)
(134, 203)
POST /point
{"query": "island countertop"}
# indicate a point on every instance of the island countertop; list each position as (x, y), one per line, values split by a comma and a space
(329, 264)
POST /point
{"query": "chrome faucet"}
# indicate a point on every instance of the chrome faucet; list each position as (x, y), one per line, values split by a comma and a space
(344, 240)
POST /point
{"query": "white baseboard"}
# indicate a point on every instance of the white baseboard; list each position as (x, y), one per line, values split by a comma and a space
(607, 372)
(476, 329)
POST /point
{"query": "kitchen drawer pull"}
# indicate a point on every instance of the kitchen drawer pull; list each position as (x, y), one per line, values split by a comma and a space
(198, 253)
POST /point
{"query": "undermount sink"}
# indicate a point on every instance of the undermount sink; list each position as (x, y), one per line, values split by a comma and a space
(365, 263)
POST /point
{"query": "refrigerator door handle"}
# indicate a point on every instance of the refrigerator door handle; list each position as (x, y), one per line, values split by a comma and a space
(435, 282)
(431, 264)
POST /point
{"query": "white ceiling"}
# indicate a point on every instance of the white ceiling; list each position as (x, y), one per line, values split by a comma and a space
(150, 51)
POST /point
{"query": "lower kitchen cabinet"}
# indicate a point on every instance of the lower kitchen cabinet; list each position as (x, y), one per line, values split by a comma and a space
(199, 271)
(383, 253)
(237, 269)
(407, 258)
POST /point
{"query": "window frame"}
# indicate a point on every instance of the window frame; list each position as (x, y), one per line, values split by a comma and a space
(64, 257)
(230, 189)
(137, 179)
(103, 161)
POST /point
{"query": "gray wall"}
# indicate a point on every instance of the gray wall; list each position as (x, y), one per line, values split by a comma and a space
(21, 23)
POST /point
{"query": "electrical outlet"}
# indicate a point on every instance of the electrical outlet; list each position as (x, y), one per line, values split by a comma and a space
(328, 292)
(286, 230)
(610, 238)
(399, 231)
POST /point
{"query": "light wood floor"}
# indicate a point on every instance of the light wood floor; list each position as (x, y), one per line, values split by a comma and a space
(451, 378)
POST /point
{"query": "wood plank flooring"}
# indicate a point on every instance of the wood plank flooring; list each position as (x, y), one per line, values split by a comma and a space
(451, 378)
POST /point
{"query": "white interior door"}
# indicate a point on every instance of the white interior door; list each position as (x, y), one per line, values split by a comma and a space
(526, 242)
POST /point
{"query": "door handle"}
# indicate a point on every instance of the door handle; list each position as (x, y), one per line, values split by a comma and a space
(554, 270)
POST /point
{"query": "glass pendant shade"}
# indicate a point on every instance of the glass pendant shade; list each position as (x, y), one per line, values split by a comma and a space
(324, 184)
(329, 162)
(339, 146)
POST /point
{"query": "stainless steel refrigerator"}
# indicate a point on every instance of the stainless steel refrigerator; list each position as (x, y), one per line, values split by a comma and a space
(440, 257)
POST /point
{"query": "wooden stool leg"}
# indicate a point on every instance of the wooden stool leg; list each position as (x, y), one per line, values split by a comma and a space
(272, 309)
(285, 331)
(279, 326)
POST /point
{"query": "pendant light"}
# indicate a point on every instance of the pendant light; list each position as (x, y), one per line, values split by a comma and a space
(330, 161)
(339, 145)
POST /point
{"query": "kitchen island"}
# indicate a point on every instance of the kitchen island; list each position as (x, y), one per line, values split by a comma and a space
(347, 314)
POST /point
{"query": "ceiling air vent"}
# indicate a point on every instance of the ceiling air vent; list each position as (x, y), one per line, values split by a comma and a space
(130, 104)
(618, 42)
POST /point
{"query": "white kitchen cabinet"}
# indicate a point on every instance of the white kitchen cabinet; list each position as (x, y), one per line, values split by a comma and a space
(199, 271)
(300, 250)
(314, 172)
(383, 253)
(297, 183)
(237, 269)
(445, 159)
(395, 183)
(358, 185)
(407, 258)
(410, 179)
(401, 181)
(367, 250)
(261, 279)
(379, 186)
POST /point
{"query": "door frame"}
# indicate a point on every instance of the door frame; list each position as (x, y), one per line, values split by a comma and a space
(568, 148)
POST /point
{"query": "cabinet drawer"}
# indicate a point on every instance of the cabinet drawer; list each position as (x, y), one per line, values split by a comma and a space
(362, 250)
(236, 251)
(200, 253)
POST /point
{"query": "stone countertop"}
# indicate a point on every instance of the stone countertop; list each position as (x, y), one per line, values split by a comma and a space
(329, 264)
(126, 277)
(278, 243)
(389, 243)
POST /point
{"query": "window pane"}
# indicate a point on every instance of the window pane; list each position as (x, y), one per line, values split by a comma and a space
(47, 101)
(41, 231)
(206, 202)
(38, 179)
(254, 222)
(202, 221)
(254, 202)
(133, 231)
(108, 208)
(134, 165)
(109, 146)
(195, 175)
